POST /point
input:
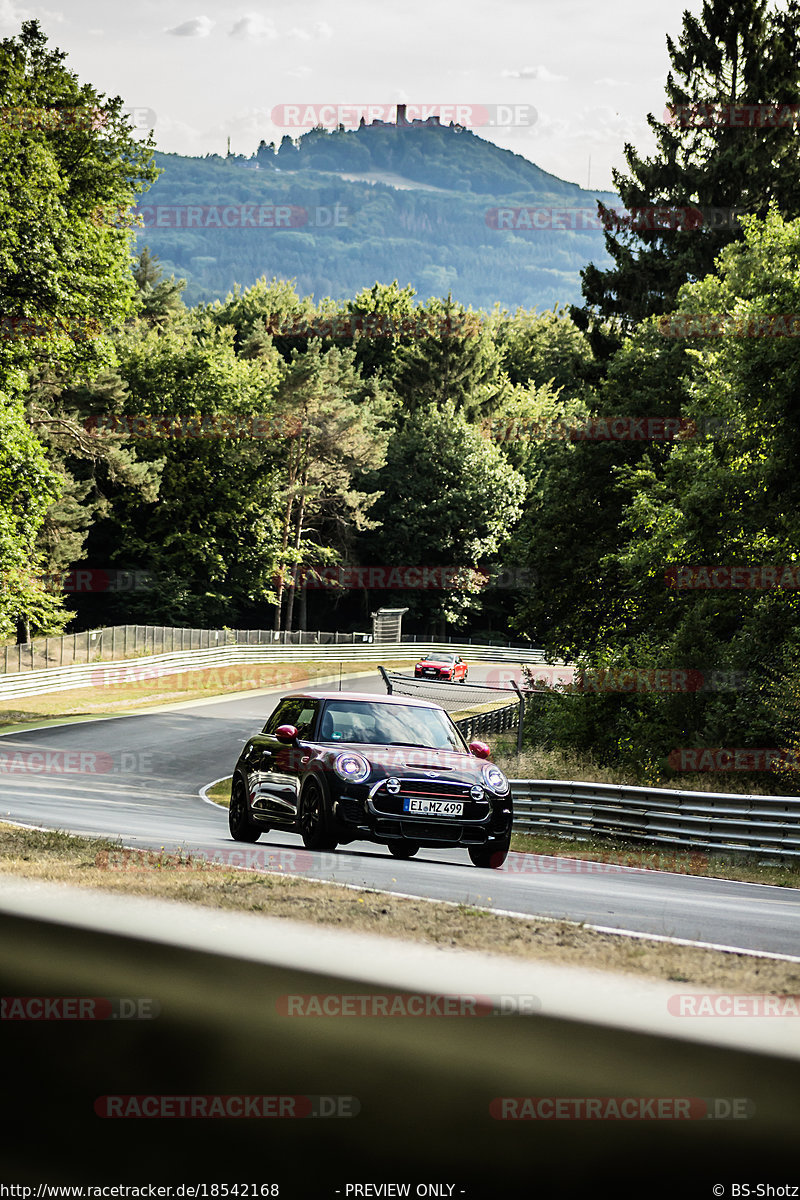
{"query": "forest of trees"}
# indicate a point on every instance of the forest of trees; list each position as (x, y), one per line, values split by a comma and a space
(637, 455)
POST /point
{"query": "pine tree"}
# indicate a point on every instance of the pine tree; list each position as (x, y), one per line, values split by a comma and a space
(451, 358)
(729, 142)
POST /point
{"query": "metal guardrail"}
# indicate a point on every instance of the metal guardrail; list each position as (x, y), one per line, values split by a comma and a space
(708, 821)
(100, 674)
(497, 720)
(114, 642)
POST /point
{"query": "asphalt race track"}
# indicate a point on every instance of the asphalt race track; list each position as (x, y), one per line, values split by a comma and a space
(138, 778)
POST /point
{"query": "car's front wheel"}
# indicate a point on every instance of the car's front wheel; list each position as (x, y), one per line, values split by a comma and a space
(492, 855)
(314, 819)
(403, 849)
(241, 827)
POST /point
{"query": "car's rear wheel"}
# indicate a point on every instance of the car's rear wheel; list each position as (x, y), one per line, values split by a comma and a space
(492, 855)
(314, 819)
(403, 849)
(241, 827)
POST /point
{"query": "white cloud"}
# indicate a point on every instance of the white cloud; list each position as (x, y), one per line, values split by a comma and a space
(11, 15)
(611, 83)
(540, 74)
(253, 27)
(321, 30)
(196, 27)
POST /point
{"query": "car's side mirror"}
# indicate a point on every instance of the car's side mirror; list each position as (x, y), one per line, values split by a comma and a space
(286, 734)
(480, 749)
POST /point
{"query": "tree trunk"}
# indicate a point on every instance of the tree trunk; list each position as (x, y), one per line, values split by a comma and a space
(302, 620)
(298, 536)
(284, 543)
(23, 631)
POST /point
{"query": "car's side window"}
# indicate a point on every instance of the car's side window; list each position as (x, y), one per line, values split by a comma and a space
(306, 718)
(285, 714)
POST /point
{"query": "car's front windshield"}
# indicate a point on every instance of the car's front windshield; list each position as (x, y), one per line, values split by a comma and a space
(366, 723)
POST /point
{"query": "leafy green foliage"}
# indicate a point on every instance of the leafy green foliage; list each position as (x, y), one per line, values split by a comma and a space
(735, 53)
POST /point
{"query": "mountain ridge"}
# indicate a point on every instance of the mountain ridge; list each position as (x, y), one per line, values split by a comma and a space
(375, 204)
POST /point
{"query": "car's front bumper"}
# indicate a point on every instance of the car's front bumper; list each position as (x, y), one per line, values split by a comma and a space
(380, 818)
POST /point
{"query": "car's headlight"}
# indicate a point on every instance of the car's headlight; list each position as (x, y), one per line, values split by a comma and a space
(352, 767)
(494, 779)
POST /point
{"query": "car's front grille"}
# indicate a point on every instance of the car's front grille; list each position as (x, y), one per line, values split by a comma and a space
(429, 789)
(441, 789)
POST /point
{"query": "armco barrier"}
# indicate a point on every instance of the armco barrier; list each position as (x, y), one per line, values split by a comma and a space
(119, 642)
(59, 679)
(768, 826)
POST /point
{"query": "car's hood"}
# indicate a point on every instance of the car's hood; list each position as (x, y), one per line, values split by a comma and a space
(416, 760)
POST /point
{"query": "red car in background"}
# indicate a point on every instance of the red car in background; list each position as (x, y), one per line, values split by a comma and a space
(441, 666)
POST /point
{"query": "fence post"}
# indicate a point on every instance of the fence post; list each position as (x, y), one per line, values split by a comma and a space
(386, 679)
(521, 719)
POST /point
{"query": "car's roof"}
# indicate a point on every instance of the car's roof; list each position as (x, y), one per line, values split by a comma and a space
(371, 696)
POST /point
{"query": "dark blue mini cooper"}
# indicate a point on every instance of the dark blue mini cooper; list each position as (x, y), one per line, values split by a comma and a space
(340, 767)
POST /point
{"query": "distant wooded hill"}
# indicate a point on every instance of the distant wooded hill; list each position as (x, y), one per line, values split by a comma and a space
(430, 206)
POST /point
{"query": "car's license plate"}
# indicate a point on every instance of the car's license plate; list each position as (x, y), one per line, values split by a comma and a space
(429, 670)
(434, 808)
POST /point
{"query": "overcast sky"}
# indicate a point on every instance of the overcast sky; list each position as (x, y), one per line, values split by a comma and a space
(590, 71)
